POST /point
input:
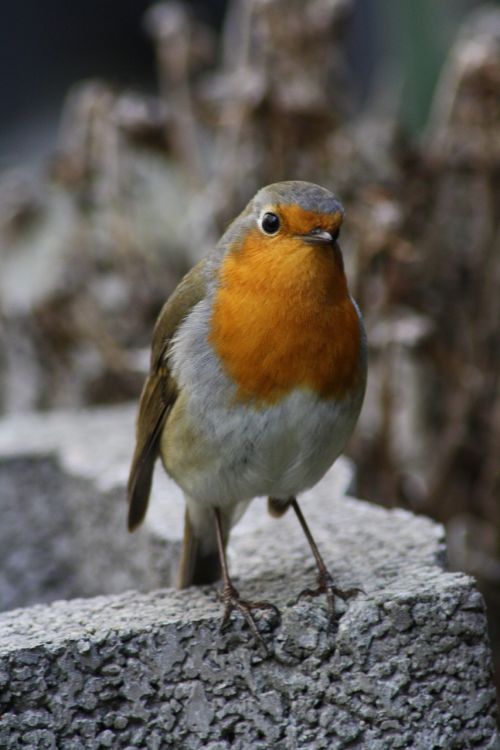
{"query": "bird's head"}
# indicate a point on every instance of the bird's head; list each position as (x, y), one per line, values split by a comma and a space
(287, 217)
(282, 316)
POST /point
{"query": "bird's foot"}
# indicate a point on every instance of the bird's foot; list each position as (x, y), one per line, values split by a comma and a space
(327, 587)
(232, 601)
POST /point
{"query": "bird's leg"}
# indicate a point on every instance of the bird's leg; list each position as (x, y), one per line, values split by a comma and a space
(230, 595)
(324, 579)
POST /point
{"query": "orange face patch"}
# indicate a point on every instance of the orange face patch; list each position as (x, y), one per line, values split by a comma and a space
(282, 316)
(297, 220)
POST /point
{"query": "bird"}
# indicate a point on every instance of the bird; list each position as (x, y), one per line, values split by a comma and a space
(257, 377)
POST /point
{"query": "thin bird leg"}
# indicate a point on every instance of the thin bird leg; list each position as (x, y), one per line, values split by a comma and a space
(230, 595)
(324, 579)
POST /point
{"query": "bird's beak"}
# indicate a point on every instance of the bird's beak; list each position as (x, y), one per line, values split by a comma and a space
(317, 236)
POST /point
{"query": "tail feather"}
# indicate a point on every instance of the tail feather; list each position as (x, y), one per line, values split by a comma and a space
(200, 561)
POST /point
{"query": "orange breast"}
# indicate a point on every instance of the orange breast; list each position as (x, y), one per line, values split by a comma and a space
(283, 319)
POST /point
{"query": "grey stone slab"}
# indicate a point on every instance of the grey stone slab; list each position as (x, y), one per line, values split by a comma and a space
(407, 665)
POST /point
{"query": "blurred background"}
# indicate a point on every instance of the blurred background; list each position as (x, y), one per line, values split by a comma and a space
(131, 132)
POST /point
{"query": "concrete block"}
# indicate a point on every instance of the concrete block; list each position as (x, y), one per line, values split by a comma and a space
(407, 665)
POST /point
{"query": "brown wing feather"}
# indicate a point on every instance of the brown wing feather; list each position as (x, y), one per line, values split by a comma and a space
(159, 393)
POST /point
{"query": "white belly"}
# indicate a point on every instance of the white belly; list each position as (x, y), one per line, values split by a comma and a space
(223, 456)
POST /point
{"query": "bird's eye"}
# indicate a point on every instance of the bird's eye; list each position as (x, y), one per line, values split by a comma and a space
(270, 223)
(335, 233)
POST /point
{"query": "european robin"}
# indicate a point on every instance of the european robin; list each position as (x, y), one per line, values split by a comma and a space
(258, 373)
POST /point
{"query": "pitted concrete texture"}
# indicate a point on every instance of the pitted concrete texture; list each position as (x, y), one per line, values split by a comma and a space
(406, 666)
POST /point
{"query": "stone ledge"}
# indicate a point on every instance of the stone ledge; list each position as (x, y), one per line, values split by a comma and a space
(408, 664)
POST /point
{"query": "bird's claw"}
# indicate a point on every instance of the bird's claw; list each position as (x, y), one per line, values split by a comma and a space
(232, 601)
(327, 587)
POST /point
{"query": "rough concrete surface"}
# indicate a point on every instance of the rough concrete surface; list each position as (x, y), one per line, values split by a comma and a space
(406, 666)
